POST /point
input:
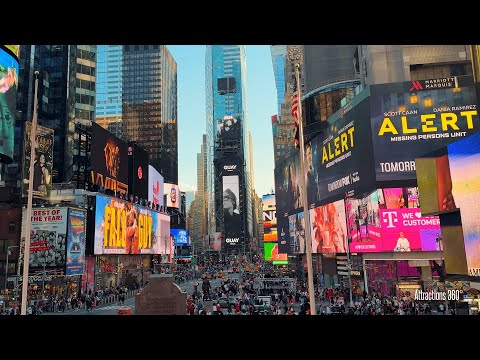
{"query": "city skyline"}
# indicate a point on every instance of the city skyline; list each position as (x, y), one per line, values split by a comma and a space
(261, 105)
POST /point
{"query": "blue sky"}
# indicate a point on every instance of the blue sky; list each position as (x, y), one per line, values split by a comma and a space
(261, 105)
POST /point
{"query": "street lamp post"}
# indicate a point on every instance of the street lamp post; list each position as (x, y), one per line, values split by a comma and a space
(6, 275)
(295, 55)
(26, 252)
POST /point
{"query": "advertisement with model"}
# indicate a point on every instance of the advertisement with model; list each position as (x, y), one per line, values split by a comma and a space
(76, 242)
(42, 163)
(48, 235)
(406, 125)
(328, 228)
(109, 160)
(8, 103)
(122, 227)
(232, 219)
(155, 186)
(288, 185)
(172, 193)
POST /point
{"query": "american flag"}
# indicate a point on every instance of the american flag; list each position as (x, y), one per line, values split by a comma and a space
(295, 104)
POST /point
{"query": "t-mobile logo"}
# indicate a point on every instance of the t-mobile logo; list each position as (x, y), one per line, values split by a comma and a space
(390, 218)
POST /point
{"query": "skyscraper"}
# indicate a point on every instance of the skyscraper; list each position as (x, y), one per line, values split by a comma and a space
(109, 88)
(228, 178)
(66, 96)
(149, 106)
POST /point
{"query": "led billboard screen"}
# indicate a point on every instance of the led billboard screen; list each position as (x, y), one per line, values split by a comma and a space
(109, 161)
(232, 218)
(155, 186)
(43, 162)
(138, 171)
(180, 236)
(172, 193)
(229, 128)
(328, 228)
(75, 242)
(269, 218)
(8, 104)
(122, 227)
(406, 125)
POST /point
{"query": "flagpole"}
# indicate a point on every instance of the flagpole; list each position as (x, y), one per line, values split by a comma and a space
(295, 55)
(26, 252)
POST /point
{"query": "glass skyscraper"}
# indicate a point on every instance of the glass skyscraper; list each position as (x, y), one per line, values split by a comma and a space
(149, 109)
(225, 81)
(109, 88)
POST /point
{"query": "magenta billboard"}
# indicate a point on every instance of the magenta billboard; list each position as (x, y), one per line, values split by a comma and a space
(401, 230)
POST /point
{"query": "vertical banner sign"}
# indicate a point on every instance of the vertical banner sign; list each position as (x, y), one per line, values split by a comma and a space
(76, 242)
(232, 220)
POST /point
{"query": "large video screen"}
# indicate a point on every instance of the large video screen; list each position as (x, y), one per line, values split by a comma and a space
(229, 128)
(296, 230)
(43, 161)
(338, 160)
(232, 218)
(155, 186)
(271, 253)
(76, 242)
(172, 193)
(410, 124)
(138, 171)
(48, 235)
(269, 218)
(122, 227)
(8, 104)
(283, 235)
(288, 185)
(109, 167)
(328, 228)
(180, 236)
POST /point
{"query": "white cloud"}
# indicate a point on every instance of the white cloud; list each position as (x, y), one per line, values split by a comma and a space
(187, 187)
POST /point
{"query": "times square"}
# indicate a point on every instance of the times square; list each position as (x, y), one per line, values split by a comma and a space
(371, 208)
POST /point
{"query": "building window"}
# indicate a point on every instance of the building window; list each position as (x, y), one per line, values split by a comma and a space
(11, 227)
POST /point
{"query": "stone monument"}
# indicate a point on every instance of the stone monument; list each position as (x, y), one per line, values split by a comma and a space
(161, 296)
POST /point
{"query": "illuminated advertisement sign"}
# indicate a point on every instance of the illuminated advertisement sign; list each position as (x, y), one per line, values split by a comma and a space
(450, 182)
(296, 230)
(88, 277)
(155, 186)
(15, 49)
(48, 234)
(215, 241)
(229, 128)
(328, 228)
(337, 160)
(410, 124)
(283, 235)
(8, 104)
(75, 242)
(232, 220)
(122, 227)
(43, 162)
(138, 171)
(271, 253)
(180, 236)
(109, 160)
(288, 185)
(269, 218)
(172, 193)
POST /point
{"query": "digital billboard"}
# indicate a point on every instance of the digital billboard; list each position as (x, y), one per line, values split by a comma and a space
(296, 230)
(283, 235)
(328, 228)
(232, 219)
(43, 162)
(109, 160)
(48, 235)
(288, 186)
(229, 128)
(180, 236)
(172, 192)
(338, 160)
(88, 277)
(122, 227)
(406, 125)
(450, 182)
(269, 218)
(215, 241)
(271, 252)
(155, 186)
(138, 171)
(8, 104)
(75, 242)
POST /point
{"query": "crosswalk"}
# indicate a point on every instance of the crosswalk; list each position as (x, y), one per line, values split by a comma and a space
(109, 307)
